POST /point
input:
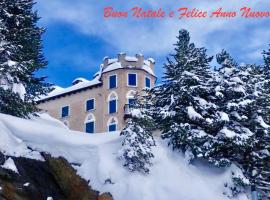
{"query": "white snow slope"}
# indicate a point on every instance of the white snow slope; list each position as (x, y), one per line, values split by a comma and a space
(96, 160)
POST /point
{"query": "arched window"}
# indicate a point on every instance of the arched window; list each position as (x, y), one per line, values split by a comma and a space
(112, 103)
(131, 97)
(112, 124)
(90, 123)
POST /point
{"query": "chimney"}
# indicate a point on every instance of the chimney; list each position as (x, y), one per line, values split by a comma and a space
(105, 61)
(121, 57)
(140, 58)
(152, 62)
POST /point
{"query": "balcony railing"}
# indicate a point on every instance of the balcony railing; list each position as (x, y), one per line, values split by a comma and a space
(127, 111)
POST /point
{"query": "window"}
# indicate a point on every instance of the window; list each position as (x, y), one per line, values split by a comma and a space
(112, 106)
(112, 124)
(131, 97)
(90, 127)
(65, 111)
(112, 103)
(90, 124)
(132, 80)
(147, 82)
(131, 101)
(112, 81)
(112, 127)
(90, 104)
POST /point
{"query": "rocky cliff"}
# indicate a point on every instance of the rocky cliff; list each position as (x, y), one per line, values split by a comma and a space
(51, 179)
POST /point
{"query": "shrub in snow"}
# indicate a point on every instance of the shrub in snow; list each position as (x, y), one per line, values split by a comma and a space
(20, 58)
(136, 151)
(137, 146)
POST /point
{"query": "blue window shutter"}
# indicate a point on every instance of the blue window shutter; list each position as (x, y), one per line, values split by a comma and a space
(112, 106)
(112, 127)
(90, 104)
(132, 79)
(89, 127)
(147, 82)
(112, 82)
(65, 111)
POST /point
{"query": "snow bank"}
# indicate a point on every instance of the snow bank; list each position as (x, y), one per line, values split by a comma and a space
(13, 146)
(45, 118)
(95, 158)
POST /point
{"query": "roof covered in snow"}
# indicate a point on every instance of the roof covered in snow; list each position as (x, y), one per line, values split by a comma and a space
(58, 91)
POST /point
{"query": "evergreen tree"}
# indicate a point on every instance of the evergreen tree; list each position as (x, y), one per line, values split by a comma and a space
(244, 138)
(234, 105)
(138, 140)
(261, 155)
(219, 116)
(266, 93)
(256, 164)
(20, 57)
(183, 102)
(266, 56)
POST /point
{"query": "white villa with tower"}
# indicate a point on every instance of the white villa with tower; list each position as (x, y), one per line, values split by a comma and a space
(101, 104)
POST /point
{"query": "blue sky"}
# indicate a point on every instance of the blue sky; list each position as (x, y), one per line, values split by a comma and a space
(77, 36)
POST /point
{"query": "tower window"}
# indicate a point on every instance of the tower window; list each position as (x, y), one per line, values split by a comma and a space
(112, 81)
(112, 106)
(112, 103)
(147, 82)
(132, 80)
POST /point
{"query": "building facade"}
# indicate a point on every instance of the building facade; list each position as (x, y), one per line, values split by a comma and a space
(101, 104)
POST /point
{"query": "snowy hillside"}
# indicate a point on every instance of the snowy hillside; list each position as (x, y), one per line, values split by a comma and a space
(95, 159)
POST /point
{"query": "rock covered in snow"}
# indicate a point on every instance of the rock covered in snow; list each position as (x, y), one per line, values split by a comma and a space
(10, 165)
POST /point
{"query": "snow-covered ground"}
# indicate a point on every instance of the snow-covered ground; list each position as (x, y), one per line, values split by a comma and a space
(95, 158)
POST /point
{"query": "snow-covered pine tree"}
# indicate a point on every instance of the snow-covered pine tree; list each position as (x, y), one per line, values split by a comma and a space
(20, 57)
(136, 151)
(257, 163)
(261, 151)
(266, 93)
(184, 110)
(243, 138)
(232, 102)
(266, 56)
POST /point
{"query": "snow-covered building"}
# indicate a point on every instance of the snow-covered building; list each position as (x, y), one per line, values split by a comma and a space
(101, 104)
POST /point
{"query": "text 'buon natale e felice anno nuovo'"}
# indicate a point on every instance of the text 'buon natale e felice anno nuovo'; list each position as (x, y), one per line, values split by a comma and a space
(184, 12)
